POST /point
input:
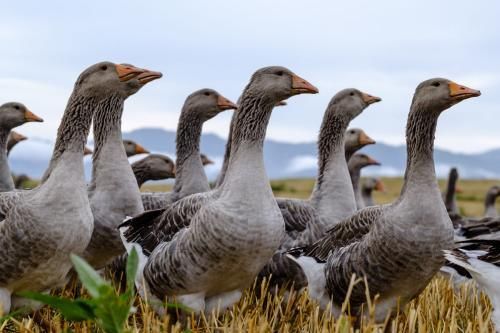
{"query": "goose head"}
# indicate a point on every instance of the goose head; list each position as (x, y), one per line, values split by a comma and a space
(278, 84)
(133, 148)
(351, 102)
(87, 151)
(160, 166)
(361, 161)
(205, 160)
(493, 192)
(374, 184)
(207, 103)
(106, 79)
(17, 137)
(14, 114)
(356, 138)
(438, 94)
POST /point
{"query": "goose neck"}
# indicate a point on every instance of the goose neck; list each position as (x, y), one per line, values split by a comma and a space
(6, 182)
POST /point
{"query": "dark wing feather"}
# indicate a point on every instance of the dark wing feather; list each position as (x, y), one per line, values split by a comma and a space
(296, 213)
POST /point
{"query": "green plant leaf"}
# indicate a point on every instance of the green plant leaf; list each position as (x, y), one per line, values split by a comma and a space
(88, 276)
(77, 310)
(132, 265)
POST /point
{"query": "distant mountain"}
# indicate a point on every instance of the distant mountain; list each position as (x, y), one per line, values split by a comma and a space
(283, 160)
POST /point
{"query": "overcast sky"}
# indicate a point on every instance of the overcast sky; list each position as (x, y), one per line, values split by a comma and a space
(382, 47)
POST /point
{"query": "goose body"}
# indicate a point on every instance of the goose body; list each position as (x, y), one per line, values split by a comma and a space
(396, 247)
(190, 177)
(113, 190)
(206, 248)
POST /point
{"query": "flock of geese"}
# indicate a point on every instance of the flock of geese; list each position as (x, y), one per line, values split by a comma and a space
(203, 246)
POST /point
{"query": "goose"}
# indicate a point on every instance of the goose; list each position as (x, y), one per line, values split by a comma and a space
(367, 188)
(354, 140)
(132, 148)
(396, 247)
(113, 190)
(190, 178)
(13, 139)
(205, 160)
(206, 248)
(481, 261)
(333, 197)
(41, 227)
(12, 114)
(153, 167)
(449, 196)
(355, 164)
(489, 201)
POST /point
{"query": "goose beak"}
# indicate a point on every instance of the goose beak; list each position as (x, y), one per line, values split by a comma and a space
(18, 137)
(459, 93)
(364, 139)
(30, 116)
(87, 151)
(224, 104)
(281, 103)
(369, 99)
(371, 161)
(208, 161)
(301, 86)
(458, 189)
(128, 72)
(140, 149)
(379, 186)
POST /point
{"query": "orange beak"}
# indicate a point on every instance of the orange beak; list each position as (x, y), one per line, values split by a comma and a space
(301, 86)
(140, 149)
(87, 151)
(365, 139)
(369, 99)
(458, 189)
(459, 92)
(379, 186)
(18, 137)
(128, 72)
(30, 116)
(224, 104)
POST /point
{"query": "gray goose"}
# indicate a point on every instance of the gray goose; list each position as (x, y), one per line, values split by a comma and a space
(113, 190)
(332, 198)
(132, 148)
(449, 196)
(396, 247)
(12, 114)
(41, 227)
(153, 167)
(489, 201)
(356, 163)
(13, 139)
(369, 185)
(206, 248)
(355, 139)
(190, 177)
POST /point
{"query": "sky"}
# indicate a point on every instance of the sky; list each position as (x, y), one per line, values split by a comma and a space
(384, 48)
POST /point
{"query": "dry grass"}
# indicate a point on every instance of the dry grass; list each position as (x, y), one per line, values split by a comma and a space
(437, 309)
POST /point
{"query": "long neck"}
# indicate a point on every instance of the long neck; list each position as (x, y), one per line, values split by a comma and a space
(333, 195)
(246, 161)
(366, 194)
(489, 205)
(73, 130)
(190, 176)
(109, 158)
(420, 174)
(6, 182)
(450, 192)
(355, 174)
(227, 153)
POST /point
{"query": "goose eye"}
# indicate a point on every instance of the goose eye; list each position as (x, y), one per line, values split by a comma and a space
(280, 73)
(207, 94)
(352, 132)
(436, 84)
(352, 94)
(16, 107)
(104, 67)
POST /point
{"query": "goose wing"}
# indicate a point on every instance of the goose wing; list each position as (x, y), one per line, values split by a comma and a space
(156, 200)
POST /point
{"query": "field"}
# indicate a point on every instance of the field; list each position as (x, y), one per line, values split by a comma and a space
(438, 309)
